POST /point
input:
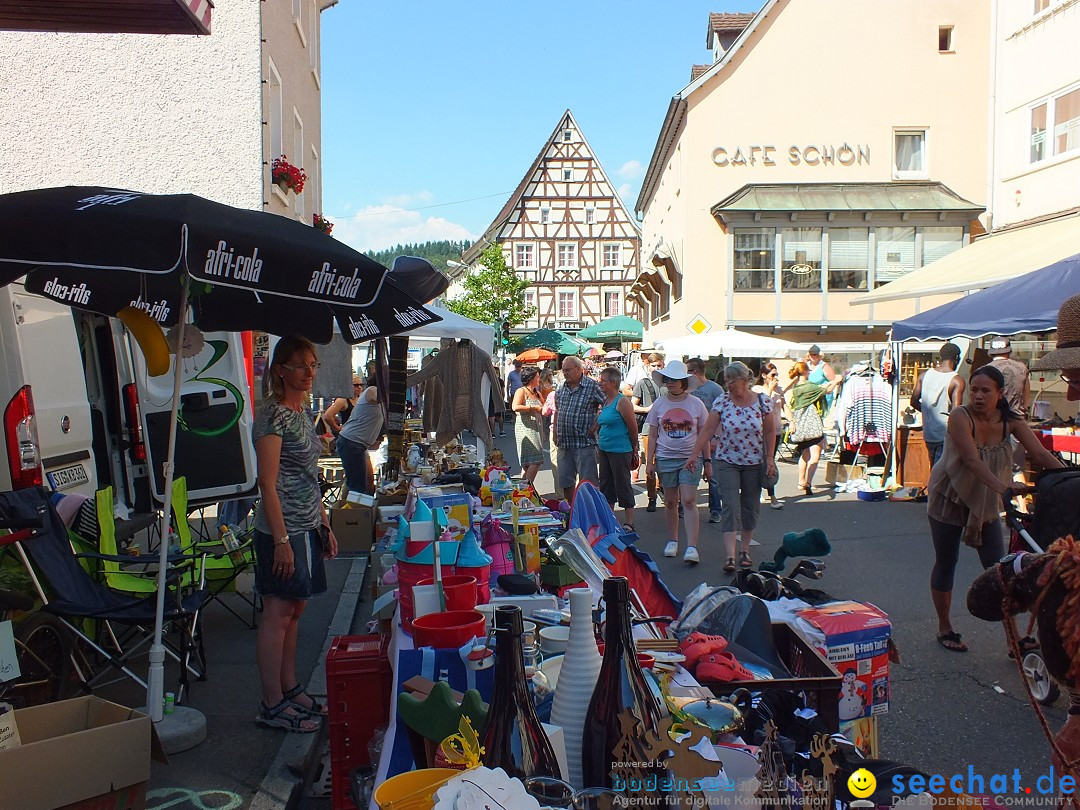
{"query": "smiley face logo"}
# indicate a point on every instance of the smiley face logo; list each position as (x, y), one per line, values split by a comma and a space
(861, 783)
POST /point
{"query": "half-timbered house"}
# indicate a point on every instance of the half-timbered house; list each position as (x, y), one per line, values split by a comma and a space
(565, 229)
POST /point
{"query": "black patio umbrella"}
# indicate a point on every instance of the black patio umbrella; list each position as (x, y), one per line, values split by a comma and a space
(103, 249)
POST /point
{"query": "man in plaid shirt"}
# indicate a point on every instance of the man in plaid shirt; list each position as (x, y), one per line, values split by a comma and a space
(577, 402)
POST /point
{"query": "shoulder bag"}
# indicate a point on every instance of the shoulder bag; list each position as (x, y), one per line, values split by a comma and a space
(806, 424)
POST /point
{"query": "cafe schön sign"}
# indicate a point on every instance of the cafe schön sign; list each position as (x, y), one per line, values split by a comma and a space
(843, 154)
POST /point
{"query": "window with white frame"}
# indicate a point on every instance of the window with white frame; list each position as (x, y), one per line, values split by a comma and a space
(612, 255)
(1055, 126)
(524, 256)
(939, 241)
(1038, 133)
(276, 115)
(567, 174)
(590, 215)
(895, 254)
(567, 302)
(298, 152)
(612, 303)
(545, 215)
(1067, 122)
(567, 135)
(566, 256)
(755, 258)
(909, 154)
(801, 268)
(529, 300)
(849, 258)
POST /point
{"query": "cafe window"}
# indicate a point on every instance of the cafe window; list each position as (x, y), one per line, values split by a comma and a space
(801, 267)
(909, 154)
(755, 258)
(939, 242)
(895, 255)
(1038, 133)
(849, 258)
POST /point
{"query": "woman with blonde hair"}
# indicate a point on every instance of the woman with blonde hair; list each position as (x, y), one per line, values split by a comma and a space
(292, 532)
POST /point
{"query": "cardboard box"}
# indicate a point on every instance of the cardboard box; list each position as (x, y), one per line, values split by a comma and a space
(857, 644)
(354, 528)
(837, 473)
(77, 752)
(458, 509)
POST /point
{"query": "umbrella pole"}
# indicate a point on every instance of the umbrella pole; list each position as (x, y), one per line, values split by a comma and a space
(155, 691)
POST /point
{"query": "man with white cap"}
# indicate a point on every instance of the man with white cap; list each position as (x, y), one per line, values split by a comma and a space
(1067, 354)
(1017, 378)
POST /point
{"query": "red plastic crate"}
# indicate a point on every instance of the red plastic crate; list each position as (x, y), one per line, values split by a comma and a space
(359, 680)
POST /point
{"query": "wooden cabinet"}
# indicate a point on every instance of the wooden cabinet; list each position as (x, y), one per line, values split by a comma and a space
(912, 461)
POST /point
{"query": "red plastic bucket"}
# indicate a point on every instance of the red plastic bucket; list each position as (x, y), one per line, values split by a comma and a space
(460, 591)
(410, 574)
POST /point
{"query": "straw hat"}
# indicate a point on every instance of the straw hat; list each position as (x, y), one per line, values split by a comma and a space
(1067, 353)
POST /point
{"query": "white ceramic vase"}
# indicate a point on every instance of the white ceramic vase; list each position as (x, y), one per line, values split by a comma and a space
(580, 669)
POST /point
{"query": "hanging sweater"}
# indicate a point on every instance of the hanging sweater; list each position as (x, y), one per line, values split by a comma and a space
(461, 367)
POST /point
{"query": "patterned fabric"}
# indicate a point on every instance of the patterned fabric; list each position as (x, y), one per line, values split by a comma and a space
(740, 436)
(527, 433)
(576, 410)
(298, 473)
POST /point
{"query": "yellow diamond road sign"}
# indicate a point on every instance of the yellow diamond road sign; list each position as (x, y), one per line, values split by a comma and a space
(699, 326)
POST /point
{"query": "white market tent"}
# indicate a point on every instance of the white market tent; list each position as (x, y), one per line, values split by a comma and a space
(452, 326)
(729, 343)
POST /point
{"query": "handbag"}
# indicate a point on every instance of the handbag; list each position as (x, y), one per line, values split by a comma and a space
(806, 425)
(324, 536)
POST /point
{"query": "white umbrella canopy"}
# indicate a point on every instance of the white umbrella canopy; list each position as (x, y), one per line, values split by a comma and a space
(729, 343)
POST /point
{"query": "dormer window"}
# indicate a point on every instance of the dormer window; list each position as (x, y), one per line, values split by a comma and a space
(567, 135)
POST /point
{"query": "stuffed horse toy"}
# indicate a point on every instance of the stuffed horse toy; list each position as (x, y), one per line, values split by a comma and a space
(1049, 584)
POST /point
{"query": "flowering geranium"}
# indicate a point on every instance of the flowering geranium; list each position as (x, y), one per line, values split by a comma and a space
(322, 223)
(281, 171)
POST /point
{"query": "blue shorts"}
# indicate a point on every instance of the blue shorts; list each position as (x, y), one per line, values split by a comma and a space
(309, 574)
(672, 472)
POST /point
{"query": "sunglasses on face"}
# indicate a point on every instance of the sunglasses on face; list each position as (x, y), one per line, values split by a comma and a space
(312, 367)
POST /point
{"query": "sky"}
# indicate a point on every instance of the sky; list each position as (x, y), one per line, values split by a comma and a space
(433, 111)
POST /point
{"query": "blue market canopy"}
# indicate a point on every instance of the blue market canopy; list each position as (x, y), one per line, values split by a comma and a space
(1026, 304)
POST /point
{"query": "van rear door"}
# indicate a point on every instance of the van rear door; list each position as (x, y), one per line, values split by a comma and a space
(213, 437)
(47, 349)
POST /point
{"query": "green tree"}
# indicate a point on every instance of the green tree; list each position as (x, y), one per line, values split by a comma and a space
(493, 290)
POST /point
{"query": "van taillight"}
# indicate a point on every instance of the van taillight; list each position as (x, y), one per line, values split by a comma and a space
(134, 422)
(20, 434)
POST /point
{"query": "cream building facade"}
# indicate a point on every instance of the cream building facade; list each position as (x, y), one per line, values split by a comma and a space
(830, 148)
(170, 114)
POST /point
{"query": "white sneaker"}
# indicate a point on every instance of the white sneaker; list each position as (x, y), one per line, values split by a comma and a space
(778, 504)
(672, 548)
(691, 556)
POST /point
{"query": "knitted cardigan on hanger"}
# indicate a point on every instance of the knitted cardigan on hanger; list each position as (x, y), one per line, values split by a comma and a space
(461, 368)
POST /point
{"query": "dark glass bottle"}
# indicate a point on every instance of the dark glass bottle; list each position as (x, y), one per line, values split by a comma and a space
(623, 720)
(513, 738)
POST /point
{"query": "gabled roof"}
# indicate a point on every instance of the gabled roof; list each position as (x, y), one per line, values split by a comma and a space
(697, 70)
(470, 255)
(725, 22)
(677, 107)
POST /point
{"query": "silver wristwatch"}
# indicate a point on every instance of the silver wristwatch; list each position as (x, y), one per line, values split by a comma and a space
(281, 541)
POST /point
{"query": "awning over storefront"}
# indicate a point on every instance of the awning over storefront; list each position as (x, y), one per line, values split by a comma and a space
(97, 17)
(987, 261)
(892, 197)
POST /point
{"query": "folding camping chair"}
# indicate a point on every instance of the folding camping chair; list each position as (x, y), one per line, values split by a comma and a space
(71, 594)
(216, 568)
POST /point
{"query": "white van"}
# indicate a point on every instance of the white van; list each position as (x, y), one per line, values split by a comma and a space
(80, 412)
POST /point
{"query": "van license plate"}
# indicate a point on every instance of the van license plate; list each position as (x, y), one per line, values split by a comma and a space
(68, 477)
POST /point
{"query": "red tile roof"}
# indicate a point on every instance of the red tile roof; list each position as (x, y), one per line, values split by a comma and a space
(697, 70)
(728, 21)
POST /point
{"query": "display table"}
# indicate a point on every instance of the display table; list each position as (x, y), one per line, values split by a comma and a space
(912, 461)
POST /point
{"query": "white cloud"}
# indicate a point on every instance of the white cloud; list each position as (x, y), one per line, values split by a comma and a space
(624, 193)
(377, 227)
(631, 170)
